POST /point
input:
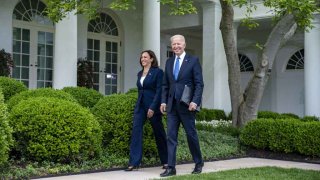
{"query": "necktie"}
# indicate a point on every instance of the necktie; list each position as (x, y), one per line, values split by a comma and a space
(176, 68)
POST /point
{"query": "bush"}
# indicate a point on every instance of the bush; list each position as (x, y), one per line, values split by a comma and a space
(283, 135)
(211, 114)
(11, 87)
(6, 63)
(115, 114)
(289, 115)
(310, 118)
(5, 132)
(268, 114)
(51, 129)
(85, 97)
(41, 92)
(132, 90)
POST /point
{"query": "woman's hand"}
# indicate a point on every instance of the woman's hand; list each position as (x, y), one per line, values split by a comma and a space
(150, 113)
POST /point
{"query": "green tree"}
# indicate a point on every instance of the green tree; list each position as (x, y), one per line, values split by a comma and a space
(288, 15)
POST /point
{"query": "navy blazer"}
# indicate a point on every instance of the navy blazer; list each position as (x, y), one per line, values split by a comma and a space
(190, 74)
(149, 95)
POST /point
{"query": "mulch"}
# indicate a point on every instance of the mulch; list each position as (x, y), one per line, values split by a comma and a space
(267, 154)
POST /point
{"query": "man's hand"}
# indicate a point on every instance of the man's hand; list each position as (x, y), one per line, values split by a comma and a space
(192, 106)
(150, 113)
(163, 108)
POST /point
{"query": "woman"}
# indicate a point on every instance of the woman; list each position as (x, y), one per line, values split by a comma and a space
(149, 85)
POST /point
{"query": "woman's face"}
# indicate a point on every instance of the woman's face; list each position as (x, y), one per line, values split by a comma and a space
(146, 60)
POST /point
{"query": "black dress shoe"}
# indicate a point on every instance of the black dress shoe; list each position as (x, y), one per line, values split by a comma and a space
(131, 168)
(198, 168)
(165, 166)
(168, 172)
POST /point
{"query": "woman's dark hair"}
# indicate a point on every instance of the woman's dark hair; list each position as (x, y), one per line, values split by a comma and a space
(152, 56)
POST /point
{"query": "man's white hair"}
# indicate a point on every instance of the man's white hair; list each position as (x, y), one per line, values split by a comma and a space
(178, 36)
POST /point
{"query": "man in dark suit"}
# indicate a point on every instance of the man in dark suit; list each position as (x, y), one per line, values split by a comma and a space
(180, 71)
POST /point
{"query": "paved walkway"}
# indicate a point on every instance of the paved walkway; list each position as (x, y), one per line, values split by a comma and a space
(153, 172)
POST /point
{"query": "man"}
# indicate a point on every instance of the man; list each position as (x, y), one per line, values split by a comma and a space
(180, 71)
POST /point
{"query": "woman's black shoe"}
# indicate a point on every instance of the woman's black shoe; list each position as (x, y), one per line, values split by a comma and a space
(131, 168)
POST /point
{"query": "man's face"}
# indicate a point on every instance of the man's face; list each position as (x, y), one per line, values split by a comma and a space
(178, 46)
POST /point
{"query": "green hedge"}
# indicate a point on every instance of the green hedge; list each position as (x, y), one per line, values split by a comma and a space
(41, 92)
(210, 114)
(5, 132)
(85, 97)
(283, 135)
(115, 114)
(11, 87)
(51, 129)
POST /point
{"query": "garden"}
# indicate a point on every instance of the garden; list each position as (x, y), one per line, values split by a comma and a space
(47, 132)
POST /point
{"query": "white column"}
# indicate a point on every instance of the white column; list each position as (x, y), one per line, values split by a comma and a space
(312, 69)
(215, 70)
(65, 55)
(151, 26)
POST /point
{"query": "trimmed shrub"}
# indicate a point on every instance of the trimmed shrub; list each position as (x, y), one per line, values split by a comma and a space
(256, 133)
(5, 132)
(115, 115)
(85, 97)
(310, 118)
(11, 87)
(41, 92)
(289, 115)
(268, 114)
(307, 139)
(132, 90)
(283, 132)
(211, 114)
(51, 129)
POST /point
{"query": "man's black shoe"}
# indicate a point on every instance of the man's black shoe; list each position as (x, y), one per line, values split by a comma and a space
(198, 168)
(168, 172)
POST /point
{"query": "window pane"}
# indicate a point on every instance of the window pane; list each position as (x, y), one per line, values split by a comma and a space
(49, 63)
(114, 89)
(114, 47)
(108, 46)
(108, 57)
(96, 44)
(96, 78)
(25, 47)
(96, 67)
(26, 34)
(40, 84)
(25, 60)
(49, 50)
(114, 58)
(49, 38)
(114, 68)
(108, 68)
(96, 55)
(108, 89)
(90, 44)
(40, 74)
(49, 75)
(16, 59)
(90, 55)
(48, 84)
(17, 46)
(41, 62)
(41, 37)
(25, 73)
(16, 33)
(16, 73)
(41, 49)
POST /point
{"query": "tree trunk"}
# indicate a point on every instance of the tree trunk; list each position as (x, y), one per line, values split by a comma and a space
(230, 47)
(253, 93)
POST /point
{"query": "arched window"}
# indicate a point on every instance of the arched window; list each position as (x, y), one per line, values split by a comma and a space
(33, 44)
(31, 10)
(245, 63)
(296, 61)
(104, 23)
(103, 49)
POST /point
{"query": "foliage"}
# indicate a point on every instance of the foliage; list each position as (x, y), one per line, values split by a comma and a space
(268, 114)
(6, 63)
(85, 73)
(11, 87)
(310, 118)
(180, 7)
(223, 127)
(283, 135)
(85, 97)
(5, 132)
(51, 129)
(59, 9)
(289, 115)
(41, 92)
(132, 90)
(211, 114)
(115, 114)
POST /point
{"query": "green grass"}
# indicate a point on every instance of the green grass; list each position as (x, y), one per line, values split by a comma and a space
(261, 173)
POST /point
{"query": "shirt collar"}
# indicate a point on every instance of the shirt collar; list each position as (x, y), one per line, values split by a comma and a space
(182, 56)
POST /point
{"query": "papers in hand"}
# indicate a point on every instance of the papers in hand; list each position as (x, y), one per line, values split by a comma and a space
(186, 97)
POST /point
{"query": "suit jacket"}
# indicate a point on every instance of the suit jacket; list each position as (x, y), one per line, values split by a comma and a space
(190, 74)
(149, 95)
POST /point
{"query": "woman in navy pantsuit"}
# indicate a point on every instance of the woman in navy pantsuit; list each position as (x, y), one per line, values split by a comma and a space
(149, 85)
